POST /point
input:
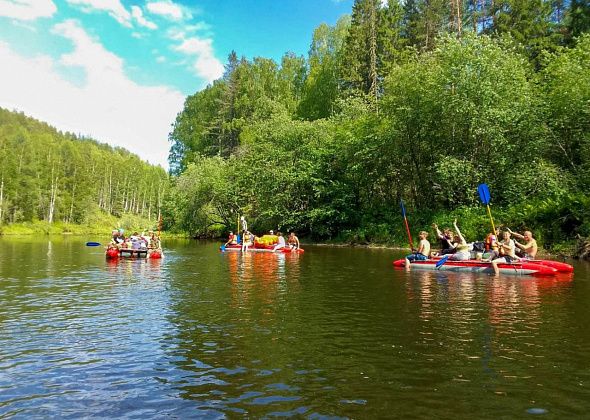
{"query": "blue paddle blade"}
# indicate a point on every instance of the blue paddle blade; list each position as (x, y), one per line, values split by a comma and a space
(92, 244)
(442, 261)
(222, 248)
(401, 204)
(484, 193)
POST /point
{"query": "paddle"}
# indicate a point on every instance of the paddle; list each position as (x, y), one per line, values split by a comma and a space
(92, 244)
(222, 248)
(440, 262)
(484, 196)
(401, 203)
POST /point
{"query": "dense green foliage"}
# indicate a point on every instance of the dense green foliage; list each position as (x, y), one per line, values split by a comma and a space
(421, 101)
(57, 177)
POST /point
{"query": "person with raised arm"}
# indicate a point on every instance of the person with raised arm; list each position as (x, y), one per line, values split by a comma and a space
(462, 248)
(529, 248)
(447, 246)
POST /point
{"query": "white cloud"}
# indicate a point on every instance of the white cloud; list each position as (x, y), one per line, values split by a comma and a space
(113, 7)
(27, 9)
(139, 18)
(160, 59)
(205, 65)
(167, 9)
(106, 106)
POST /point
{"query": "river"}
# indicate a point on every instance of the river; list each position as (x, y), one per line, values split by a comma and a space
(331, 333)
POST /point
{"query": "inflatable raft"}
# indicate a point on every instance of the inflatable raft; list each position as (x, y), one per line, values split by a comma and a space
(112, 253)
(559, 266)
(261, 248)
(520, 268)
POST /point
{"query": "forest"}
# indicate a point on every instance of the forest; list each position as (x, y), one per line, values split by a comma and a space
(416, 100)
(54, 182)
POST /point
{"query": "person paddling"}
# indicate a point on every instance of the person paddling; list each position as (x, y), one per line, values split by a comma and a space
(529, 248)
(231, 240)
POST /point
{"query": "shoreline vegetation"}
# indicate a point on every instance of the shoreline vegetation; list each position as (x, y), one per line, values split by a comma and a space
(574, 249)
(383, 109)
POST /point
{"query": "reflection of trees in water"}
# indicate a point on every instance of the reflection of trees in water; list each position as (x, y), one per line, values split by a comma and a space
(227, 333)
(135, 268)
(259, 278)
(468, 322)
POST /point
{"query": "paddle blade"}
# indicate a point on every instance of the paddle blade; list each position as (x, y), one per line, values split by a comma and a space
(484, 193)
(92, 244)
(401, 204)
(222, 248)
(443, 260)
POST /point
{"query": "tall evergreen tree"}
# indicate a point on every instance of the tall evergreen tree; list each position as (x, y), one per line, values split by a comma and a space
(391, 36)
(425, 20)
(577, 19)
(359, 61)
(320, 89)
(529, 22)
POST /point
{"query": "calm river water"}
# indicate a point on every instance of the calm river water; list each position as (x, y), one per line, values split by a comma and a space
(331, 333)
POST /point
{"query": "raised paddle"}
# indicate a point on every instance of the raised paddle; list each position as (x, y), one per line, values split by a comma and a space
(401, 203)
(92, 244)
(484, 196)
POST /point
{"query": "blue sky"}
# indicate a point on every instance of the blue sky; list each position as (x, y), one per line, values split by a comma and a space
(119, 70)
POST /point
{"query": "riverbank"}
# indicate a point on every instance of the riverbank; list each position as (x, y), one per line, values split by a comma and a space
(99, 225)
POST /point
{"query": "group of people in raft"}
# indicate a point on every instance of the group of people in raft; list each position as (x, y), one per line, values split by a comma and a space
(278, 241)
(496, 251)
(135, 241)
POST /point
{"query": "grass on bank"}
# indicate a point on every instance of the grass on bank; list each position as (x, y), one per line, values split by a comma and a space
(97, 223)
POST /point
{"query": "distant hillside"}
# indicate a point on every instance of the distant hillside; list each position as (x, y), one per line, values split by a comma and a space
(53, 176)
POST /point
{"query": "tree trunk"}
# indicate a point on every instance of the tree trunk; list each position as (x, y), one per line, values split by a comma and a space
(373, 55)
(52, 196)
(73, 198)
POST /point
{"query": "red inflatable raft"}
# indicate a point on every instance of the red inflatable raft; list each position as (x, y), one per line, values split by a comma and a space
(521, 268)
(261, 248)
(112, 253)
(559, 266)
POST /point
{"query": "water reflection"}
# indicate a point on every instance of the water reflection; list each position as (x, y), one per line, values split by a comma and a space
(505, 326)
(262, 277)
(235, 360)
